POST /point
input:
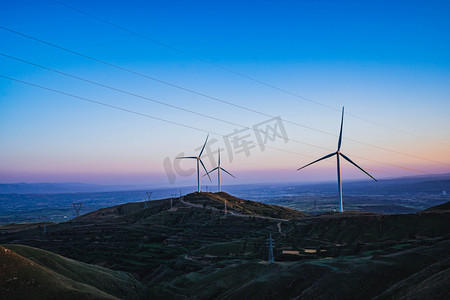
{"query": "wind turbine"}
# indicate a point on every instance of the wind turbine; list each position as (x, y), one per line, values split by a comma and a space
(199, 161)
(218, 168)
(338, 155)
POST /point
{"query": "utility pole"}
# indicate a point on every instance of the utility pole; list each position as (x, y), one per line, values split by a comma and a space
(173, 196)
(149, 194)
(270, 244)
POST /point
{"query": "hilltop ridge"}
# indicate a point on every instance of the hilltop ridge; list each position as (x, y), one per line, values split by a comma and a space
(242, 206)
(202, 200)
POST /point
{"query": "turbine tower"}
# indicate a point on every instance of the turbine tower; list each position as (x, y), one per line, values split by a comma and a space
(218, 168)
(199, 161)
(338, 155)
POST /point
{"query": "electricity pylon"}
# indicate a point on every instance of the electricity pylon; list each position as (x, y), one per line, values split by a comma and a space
(149, 194)
(270, 244)
(77, 207)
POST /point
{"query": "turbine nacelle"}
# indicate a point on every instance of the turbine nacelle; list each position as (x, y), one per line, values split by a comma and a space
(199, 161)
(219, 168)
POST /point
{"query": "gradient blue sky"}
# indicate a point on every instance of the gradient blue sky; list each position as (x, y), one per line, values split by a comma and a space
(385, 61)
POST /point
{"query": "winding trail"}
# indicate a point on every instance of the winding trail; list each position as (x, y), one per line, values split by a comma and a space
(279, 229)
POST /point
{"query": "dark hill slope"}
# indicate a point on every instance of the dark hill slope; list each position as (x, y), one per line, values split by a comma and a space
(430, 283)
(192, 250)
(147, 208)
(33, 273)
(371, 228)
(348, 277)
(445, 207)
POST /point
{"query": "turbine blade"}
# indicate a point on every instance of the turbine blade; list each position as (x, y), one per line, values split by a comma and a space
(227, 172)
(219, 155)
(210, 171)
(205, 169)
(325, 157)
(350, 161)
(340, 133)
(181, 157)
(203, 146)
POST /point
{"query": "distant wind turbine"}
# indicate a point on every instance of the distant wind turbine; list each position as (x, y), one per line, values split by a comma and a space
(338, 154)
(218, 168)
(199, 161)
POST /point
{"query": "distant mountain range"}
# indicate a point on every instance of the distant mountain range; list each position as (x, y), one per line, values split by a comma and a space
(35, 202)
(70, 187)
(404, 184)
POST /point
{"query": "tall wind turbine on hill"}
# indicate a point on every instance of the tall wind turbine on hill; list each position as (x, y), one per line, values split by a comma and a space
(338, 155)
(199, 161)
(218, 168)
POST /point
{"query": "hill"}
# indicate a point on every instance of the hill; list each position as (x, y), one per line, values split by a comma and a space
(214, 201)
(37, 274)
(193, 250)
(444, 207)
(347, 277)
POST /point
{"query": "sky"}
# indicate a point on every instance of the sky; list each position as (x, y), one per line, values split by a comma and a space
(137, 83)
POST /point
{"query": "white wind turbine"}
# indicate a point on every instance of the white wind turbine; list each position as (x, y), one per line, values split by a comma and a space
(199, 161)
(218, 168)
(338, 154)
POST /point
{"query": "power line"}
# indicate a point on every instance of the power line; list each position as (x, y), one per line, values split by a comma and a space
(399, 152)
(177, 123)
(162, 81)
(398, 130)
(209, 97)
(239, 73)
(177, 107)
(137, 113)
(153, 100)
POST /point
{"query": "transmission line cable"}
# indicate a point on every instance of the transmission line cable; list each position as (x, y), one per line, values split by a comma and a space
(241, 74)
(216, 99)
(190, 111)
(138, 113)
(181, 124)
(155, 101)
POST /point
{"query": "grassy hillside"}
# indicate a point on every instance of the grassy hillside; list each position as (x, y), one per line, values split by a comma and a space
(206, 200)
(349, 277)
(194, 251)
(38, 274)
(216, 200)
